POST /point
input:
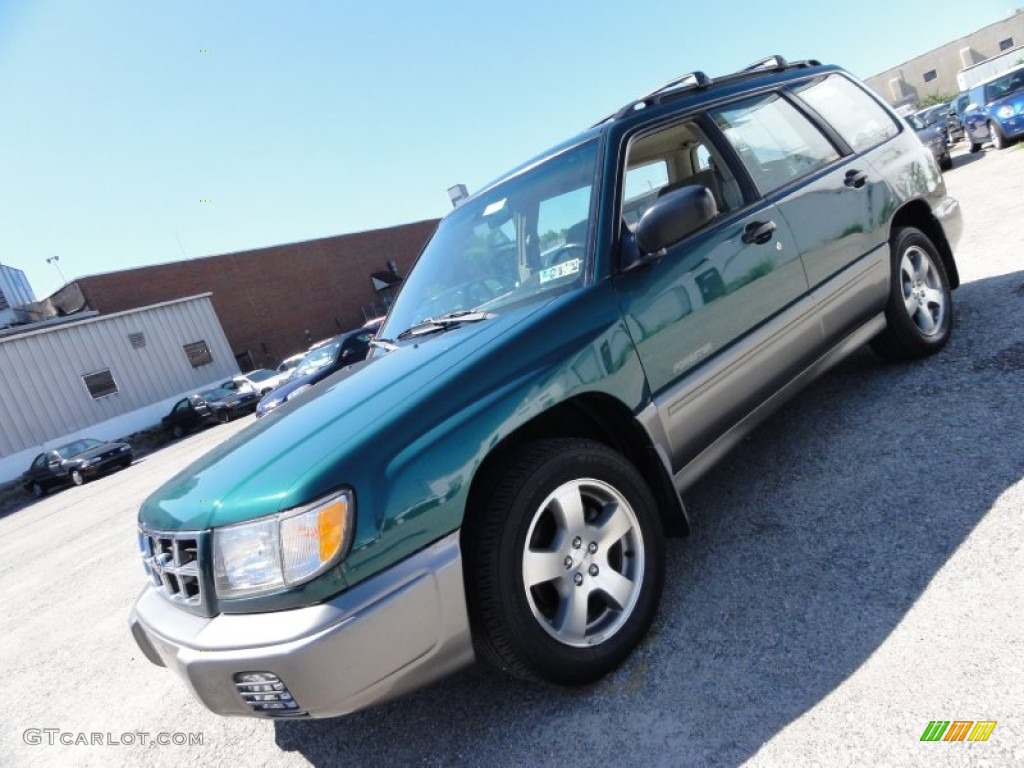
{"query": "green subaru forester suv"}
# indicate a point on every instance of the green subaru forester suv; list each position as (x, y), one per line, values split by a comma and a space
(577, 343)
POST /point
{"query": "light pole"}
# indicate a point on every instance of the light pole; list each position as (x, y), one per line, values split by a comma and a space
(54, 260)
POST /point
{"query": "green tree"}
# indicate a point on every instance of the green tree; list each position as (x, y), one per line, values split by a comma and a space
(938, 98)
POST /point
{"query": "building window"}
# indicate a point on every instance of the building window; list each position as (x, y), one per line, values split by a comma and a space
(1005, 45)
(100, 384)
(930, 75)
(198, 353)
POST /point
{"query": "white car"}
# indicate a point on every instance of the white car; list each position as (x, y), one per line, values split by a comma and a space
(260, 381)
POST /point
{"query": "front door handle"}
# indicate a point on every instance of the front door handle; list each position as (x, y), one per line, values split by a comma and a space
(855, 179)
(758, 232)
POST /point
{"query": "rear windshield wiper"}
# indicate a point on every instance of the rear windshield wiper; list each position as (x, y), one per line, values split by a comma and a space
(443, 323)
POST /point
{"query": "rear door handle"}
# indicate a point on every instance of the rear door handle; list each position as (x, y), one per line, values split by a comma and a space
(855, 179)
(758, 232)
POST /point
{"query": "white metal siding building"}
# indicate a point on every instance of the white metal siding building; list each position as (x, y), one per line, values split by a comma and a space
(105, 376)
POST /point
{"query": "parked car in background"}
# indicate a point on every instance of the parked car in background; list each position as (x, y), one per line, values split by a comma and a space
(957, 107)
(936, 117)
(260, 381)
(320, 362)
(995, 110)
(74, 463)
(211, 406)
(932, 138)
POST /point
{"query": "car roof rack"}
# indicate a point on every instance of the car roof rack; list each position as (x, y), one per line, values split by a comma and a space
(696, 81)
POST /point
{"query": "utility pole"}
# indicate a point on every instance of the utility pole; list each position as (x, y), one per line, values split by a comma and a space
(54, 260)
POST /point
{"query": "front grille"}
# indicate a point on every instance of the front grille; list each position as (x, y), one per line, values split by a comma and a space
(171, 561)
(267, 695)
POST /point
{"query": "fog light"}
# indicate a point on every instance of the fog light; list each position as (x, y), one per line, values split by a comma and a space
(265, 693)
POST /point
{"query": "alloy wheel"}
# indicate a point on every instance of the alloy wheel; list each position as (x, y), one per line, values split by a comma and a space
(583, 562)
(923, 296)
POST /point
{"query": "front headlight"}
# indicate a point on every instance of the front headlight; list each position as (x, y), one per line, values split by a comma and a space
(284, 550)
(1005, 112)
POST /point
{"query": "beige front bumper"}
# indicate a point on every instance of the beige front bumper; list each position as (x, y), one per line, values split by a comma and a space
(395, 632)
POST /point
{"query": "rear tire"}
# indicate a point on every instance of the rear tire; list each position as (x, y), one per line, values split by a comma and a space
(972, 146)
(946, 162)
(178, 432)
(919, 313)
(37, 490)
(564, 564)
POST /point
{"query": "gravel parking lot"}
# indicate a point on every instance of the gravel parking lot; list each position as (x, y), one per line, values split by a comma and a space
(855, 572)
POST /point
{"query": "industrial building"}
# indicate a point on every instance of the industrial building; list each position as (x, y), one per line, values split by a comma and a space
(935, 73)
(273, 302)
(104, 376)
(15, 294)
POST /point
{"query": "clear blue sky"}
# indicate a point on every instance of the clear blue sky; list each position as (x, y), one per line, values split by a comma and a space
(307, 119)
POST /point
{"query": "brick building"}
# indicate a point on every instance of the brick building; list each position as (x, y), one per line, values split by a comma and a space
(272, 302)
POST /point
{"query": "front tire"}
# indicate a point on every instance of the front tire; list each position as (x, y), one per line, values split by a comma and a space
(946, 162)
(997, 136)
(919, 313)
(77, 478)
(564, 564)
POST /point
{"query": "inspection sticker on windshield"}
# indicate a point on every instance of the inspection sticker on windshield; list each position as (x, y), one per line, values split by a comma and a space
(560, 270)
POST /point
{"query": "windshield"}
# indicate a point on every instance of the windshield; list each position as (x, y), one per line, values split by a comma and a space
(317, 359)
(77, 447)
(523, 238)
(1005, 86)
(915, 122)
(260, 375)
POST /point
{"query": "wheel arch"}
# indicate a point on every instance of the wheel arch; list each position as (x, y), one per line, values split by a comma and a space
(604, 419)
(917, 213)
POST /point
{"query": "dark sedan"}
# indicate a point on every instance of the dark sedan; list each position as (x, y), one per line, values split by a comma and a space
(319, 363)
(934, 139)
(209, 407)
(74, 463)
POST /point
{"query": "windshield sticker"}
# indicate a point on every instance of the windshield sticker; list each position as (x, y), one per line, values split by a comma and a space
(560, 270)
(495, 207)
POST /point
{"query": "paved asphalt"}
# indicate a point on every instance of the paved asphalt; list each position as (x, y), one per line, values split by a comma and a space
(856, 571)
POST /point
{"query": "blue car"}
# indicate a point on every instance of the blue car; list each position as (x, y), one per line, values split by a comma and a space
(995, 110)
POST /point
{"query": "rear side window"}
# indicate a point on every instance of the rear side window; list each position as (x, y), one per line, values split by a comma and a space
(776, 143)
(854, 115)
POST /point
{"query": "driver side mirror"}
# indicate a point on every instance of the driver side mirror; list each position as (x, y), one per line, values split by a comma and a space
(673, 216)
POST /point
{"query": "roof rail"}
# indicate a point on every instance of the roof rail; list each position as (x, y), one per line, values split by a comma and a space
(776, 63)
(689, 82)
(694, 81)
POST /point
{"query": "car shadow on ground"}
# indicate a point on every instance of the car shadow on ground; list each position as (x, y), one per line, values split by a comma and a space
(961, 160)
(812, 540)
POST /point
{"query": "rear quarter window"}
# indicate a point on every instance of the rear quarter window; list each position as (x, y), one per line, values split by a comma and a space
(854, 114)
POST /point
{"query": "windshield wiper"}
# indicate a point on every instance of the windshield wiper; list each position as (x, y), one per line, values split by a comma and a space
(443, 323)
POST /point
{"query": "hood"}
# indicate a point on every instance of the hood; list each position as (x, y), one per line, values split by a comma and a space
(282, 391)
(278, 462)
(1014, 100)
(93, 453)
